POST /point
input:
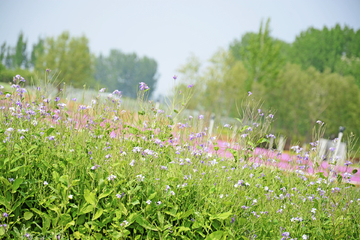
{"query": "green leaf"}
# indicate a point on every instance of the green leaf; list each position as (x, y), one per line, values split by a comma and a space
(187, 213)
(239, 120)
(105, 194)
(144, 223)
(98, 213)
(176, 111)
(90, 197)
(28, 215)
(77, 235)
(16, 184)
(215, 235)
(339, 178)
(221, 216)
(216, 148)
(136, 202)
(152, 195)
(2, 231)
(141, 112)
(354, 171)
(17, 168)
(183, 229)
(86, 209)
(40, 213)
(261, 140)
(49, 131)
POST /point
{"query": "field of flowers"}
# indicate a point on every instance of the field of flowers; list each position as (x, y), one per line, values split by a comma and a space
(75, 171)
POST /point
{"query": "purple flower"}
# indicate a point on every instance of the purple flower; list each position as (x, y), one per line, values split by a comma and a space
(5, 215)
(48, 70)
(249, 93)
(74, 99)
(190, 85)
(51, 138)
(143, 86)
(201, 116)
(174, 77)
(233, 219)
(271, 116)
(57, 99)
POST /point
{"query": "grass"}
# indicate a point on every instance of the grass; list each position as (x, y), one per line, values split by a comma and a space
(101, 172)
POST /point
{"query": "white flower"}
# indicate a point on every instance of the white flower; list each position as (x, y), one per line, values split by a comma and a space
(46, 183)
(266, 188)
(221, 195)
(70, 196)
(313, 210)
(148, 202)
(132, 163)
(304, 237)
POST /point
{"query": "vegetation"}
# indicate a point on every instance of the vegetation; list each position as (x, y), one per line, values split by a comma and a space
(100, 172)
(315, 77)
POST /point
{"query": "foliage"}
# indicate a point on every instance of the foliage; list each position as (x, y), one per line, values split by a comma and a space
(99, 172)
(261, 54)
(125, 71)
(70, 57)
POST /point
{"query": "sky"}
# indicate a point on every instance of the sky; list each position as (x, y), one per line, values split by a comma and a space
(168, 30)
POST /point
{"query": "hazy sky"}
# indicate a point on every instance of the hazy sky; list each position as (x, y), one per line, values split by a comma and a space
(168, 31)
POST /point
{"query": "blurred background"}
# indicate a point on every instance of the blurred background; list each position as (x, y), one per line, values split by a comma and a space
(301, 58)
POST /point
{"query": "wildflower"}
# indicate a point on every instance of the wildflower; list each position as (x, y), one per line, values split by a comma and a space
(51, 138)
(174, 77)
(102, 90)
(70, 196)
(172, 193)
(271, 116)
(244, 135)
(11, 180)
(132, 163)
(190, 85)
(313, 210)
(46, 183)
(143, 86)
(111, 177)
(118, 195)
(266, 188)
(5, 215)
(201, 116)
(140, 177)
(233, 219)
(148, 202)
(304, 237)
(158, 203)
(249, 93)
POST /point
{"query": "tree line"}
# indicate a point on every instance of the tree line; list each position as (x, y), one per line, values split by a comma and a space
(317, 77)
(71, 59)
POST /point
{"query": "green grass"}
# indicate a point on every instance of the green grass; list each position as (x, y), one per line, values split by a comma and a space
(67, 177)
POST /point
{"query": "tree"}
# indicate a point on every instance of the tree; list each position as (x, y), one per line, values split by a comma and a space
(125, 71)
(70, 57)
(323, 48)
(37, 51)
(262, 55)
(20, 55)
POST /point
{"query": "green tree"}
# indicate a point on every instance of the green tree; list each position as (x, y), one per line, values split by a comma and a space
(20, 55)
(324, 48)
(37, 51)
(125, 71)
(262, 55)
(70, 57)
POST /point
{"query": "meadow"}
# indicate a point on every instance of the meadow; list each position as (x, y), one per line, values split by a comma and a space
(70, 170)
